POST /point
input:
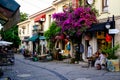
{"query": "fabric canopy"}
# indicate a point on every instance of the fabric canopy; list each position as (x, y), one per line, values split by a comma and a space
(8, 8)
(42, 37)
(99, 27)
(40, 18)
(33, 38)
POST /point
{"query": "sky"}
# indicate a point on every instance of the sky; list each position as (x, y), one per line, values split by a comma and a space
(32, 6)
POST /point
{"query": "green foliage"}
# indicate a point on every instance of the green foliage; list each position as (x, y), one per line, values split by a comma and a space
(11, 35)
(111, 51)
(23, 16)
(52, 31)
(72, 61)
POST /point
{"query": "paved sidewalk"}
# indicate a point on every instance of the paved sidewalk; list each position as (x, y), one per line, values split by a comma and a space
(69, 71)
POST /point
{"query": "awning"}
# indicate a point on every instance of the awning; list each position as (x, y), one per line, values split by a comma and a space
(8, 9)
(99, 27)
(42, 37)
(33, 38)
(40, 18)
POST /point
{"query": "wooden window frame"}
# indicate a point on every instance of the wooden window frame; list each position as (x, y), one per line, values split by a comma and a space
(105, 5)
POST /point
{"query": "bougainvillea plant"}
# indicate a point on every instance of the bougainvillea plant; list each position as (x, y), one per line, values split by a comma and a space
(75, 22)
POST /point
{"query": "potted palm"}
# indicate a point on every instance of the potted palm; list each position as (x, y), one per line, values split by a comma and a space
(113, 61)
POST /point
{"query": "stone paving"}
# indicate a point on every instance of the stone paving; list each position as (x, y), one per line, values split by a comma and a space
(56, 70)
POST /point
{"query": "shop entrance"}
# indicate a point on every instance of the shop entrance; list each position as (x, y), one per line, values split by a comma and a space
(101, 40)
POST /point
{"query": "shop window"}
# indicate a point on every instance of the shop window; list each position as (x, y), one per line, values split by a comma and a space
(105, 5)
(101, 40)
(23, 30)
(101, 43)
(100, 35)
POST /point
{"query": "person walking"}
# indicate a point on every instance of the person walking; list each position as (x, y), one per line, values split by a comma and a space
(89, 55)
(81, 51)
(89, 51)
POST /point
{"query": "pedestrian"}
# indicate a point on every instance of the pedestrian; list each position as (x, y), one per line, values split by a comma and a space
(22, 50)
(89, 55)
(89, 51)
(77, 54)
(81, 51)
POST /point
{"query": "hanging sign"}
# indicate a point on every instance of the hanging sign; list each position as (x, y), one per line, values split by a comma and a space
(113, 31)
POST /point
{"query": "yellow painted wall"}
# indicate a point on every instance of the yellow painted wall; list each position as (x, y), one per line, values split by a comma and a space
(113, 9)
(47, 24)
(59, 7)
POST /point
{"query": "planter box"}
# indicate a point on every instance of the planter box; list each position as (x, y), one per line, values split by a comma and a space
(113, 65)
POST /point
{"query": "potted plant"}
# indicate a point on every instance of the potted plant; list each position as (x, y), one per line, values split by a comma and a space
(113, 61)
(111, 51)
(26, 53)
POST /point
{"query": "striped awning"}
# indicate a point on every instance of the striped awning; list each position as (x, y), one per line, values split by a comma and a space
(40, 18)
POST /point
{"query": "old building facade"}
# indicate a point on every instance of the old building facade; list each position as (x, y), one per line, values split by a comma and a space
(105, 9)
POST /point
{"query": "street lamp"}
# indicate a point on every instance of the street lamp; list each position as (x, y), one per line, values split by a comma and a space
(111, 25)
(107, 26)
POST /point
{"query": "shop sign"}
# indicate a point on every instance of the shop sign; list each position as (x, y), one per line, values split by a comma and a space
(113, 31)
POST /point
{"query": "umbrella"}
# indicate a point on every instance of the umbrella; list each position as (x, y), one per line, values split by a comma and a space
(5, 43)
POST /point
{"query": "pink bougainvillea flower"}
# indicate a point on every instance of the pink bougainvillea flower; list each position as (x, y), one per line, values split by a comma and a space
(76, 21)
